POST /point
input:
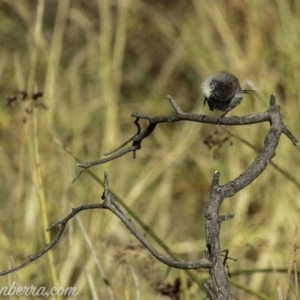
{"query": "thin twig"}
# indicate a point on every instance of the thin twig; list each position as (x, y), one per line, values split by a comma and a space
(179, 116)
(55, 240)
(136, 122)
(175, 105)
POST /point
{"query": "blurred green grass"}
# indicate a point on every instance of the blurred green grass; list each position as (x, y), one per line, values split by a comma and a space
(97, 62)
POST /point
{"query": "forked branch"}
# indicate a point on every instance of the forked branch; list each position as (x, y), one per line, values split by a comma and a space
(110, 203)
(179, 115)
(218, 287)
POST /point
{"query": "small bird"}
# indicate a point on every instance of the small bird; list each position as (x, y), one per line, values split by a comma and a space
(222, 91)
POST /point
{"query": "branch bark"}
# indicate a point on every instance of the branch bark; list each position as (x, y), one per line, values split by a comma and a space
(218, 288)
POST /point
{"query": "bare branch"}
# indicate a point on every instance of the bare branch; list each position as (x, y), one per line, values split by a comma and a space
(210, 290)
(56, 239)
(136, 122)
(175, 105)
(289, 135)
(105, 160)
(111, 204)
(220, 286)
(225, 218)
(283, 172)
(135, 146)
(264, 158)
(179, 116)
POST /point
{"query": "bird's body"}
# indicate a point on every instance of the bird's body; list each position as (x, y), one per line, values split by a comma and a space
(222, 91)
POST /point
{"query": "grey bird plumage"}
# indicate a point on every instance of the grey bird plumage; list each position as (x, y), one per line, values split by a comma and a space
(222, 91)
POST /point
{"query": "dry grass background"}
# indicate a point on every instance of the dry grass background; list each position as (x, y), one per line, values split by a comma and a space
(98, 61)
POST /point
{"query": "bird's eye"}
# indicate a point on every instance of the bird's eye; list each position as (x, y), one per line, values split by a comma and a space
(213, 84)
